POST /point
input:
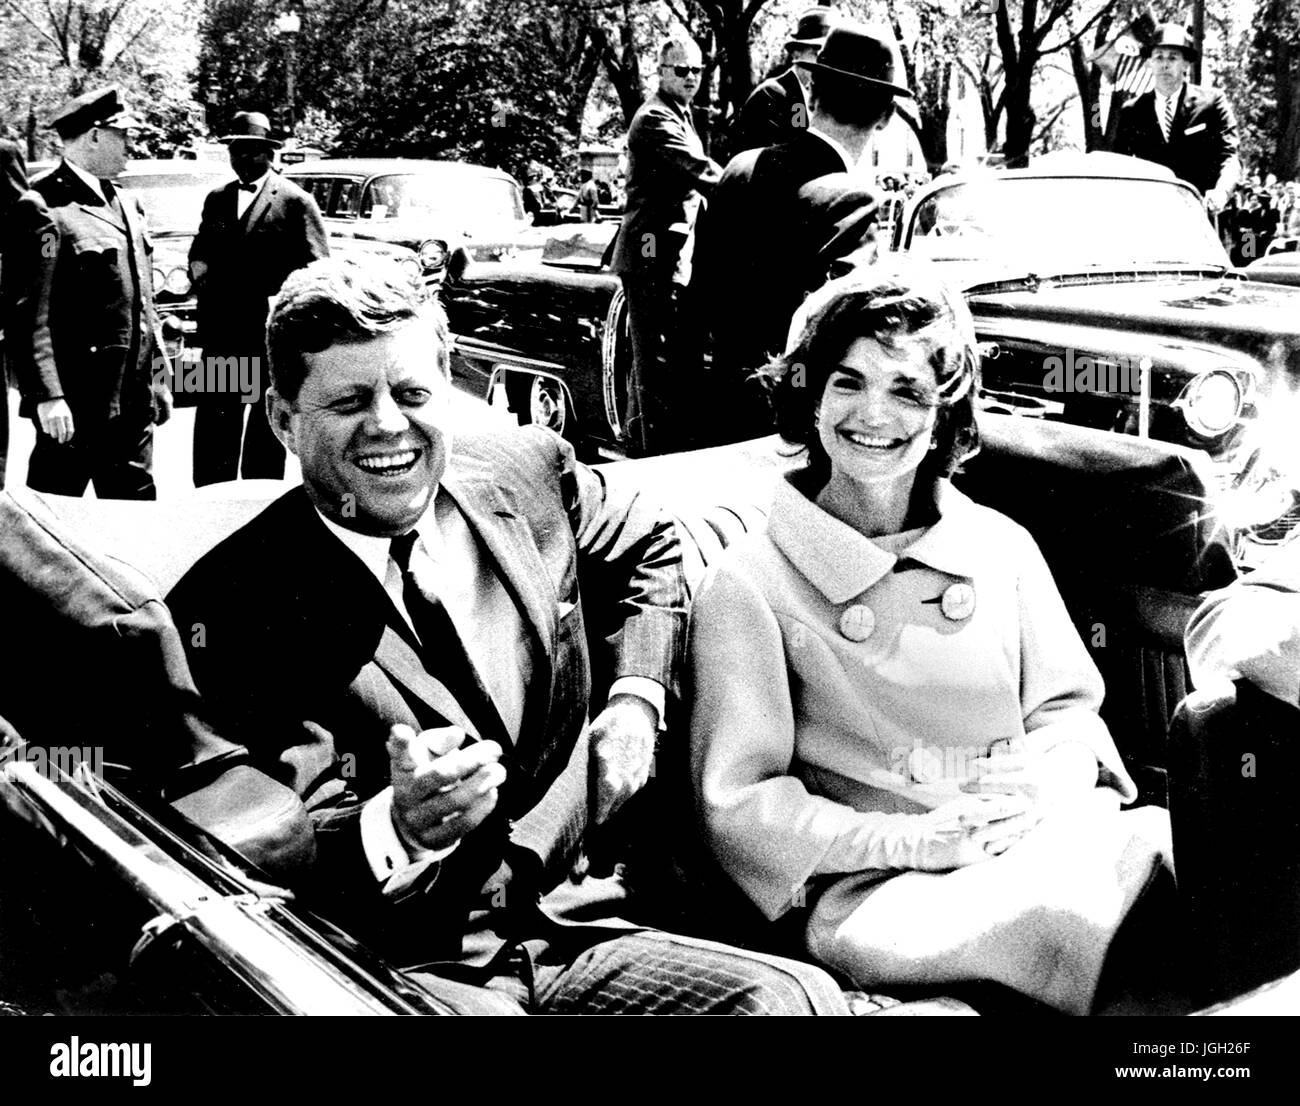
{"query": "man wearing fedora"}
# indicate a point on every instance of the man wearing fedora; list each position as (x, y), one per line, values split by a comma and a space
(91, 388)
(254, 232)
(778, 108)
(781, 215)
(1185, 127)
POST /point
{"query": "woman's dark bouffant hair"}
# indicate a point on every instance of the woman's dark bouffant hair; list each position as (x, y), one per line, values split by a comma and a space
(885, 302)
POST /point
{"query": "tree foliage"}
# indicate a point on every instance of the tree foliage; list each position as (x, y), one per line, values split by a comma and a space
(56, 49)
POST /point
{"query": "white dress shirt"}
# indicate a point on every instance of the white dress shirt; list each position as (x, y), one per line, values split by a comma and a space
(91, 181)
(244, 199)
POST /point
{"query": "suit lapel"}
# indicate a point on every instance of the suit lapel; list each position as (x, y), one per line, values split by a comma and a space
(505, 535)
(260, 203)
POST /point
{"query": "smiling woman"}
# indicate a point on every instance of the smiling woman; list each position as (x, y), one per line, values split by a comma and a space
(887, 685)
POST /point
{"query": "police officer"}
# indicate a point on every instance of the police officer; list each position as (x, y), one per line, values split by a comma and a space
(96, 391)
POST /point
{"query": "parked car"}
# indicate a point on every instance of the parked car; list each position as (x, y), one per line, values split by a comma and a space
(431, 207)
(158, 865)
(172, 194)
(1100, 293)
(1280, 267)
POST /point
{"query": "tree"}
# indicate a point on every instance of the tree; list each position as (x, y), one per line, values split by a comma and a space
(1271, 108)
(55, 49)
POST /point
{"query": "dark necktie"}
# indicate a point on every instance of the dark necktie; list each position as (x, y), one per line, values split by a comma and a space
(111, 198)
(443, 651)
(1169, 115)
(247, 187)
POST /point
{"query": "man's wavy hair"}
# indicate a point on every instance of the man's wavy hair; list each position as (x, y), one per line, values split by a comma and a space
(889, 302)
(335, 301)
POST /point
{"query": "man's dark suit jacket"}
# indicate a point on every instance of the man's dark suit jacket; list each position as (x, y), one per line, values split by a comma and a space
(1202, 146)
(778, 218)
(667, 173)
(309, 666)
(249, 258)
(774, 113)
(103, 327)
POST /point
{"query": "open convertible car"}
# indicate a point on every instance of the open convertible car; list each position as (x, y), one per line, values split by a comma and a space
(151, 868)
(1101, 297)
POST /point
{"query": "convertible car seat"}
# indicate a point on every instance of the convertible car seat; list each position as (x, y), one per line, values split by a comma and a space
(95, 662)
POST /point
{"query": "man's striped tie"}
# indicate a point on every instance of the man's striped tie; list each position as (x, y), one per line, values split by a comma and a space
(1169, 116)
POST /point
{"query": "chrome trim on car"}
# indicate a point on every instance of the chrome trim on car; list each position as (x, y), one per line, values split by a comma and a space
(236, 928)
(609, 364)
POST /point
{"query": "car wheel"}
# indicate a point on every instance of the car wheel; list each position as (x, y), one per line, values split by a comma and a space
(538, 401)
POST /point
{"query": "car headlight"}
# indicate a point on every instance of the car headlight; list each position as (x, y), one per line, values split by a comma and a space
(177, 282)
(433, 254)
(1212, 402)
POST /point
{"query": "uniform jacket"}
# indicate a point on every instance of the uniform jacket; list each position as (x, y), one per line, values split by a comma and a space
(774, 113)
(1202, 146)
(310, 666)
(667, 175)
(777, 219)
(103, 327)
(799, 732)
(248, 259)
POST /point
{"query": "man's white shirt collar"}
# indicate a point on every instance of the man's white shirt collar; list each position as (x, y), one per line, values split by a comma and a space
(91, 181)
(244, 199)
(375, 552)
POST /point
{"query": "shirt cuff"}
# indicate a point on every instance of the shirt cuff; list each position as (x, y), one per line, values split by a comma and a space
(391, 861)
(652, 691)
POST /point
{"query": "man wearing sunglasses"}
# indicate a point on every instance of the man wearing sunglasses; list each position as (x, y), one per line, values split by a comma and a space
(668, 175)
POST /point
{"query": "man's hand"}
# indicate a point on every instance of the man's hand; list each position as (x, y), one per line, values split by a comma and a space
(198, 273)
(162, 404)
(1216, 199)
(622, 751)
(1049, 780)
(440, 791)
(55, 417)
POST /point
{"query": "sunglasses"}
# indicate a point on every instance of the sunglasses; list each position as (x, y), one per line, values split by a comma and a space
(686, 70)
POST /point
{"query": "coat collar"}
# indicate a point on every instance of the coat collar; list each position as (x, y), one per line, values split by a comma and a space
(842, 563)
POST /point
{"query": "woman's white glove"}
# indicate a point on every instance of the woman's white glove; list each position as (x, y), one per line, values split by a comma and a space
(964, 831)
(1051, 780)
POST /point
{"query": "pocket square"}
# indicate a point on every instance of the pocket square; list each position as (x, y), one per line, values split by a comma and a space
(566, 609)
(1193, 130)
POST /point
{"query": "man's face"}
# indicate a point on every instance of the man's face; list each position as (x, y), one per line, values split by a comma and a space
(371, 427)
(103, 154)
(250, 160)
(1169, 67)
(681, 88)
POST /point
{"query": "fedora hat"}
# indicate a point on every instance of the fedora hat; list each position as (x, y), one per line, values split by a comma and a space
(858, 54)
(250, 126)
(1171, 34)
(101, 108)
(813, 27)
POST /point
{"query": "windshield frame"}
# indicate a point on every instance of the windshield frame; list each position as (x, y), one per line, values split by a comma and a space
(1010, 260)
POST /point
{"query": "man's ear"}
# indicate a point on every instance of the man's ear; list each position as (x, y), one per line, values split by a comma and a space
(279, 413)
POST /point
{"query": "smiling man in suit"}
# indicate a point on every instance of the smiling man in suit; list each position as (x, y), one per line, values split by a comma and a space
(1185, 127)
(92, 389)
(417, 666)
(255, 231)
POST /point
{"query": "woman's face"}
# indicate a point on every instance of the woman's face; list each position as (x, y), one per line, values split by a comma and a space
(878, 412)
